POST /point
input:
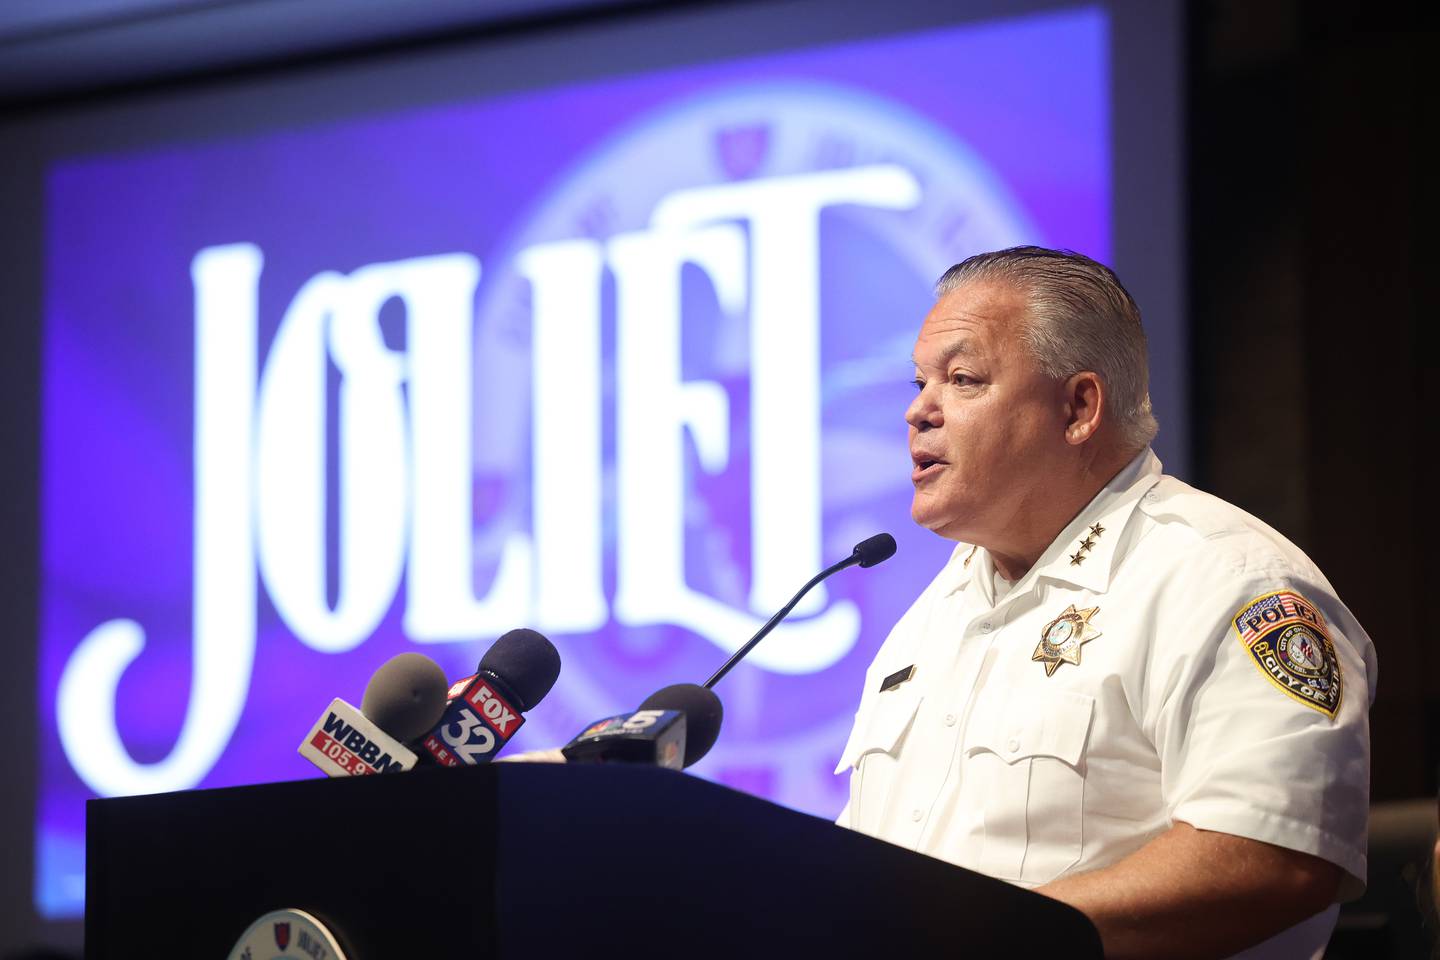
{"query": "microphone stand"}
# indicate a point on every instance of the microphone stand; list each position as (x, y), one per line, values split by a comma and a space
(770, 624)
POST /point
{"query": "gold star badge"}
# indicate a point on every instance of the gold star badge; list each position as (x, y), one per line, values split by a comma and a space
(1077, 558)
(1096, 530)
(1062, 638)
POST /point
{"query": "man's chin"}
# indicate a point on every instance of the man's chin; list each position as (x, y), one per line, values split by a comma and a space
(942, 524)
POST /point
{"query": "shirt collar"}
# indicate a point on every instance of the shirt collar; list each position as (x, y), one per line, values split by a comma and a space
(959, 569)
(1100, 523)
(1084, 552)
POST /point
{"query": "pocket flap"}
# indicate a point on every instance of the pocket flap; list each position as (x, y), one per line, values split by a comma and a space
(890, 717)
(1056, 725)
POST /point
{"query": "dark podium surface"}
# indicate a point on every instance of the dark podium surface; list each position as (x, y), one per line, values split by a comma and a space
(535, 861)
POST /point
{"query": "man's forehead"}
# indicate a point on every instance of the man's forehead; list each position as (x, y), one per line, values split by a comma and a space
(941, 347)
(975, 319)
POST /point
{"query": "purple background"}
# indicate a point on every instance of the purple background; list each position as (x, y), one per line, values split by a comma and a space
(1029, 96)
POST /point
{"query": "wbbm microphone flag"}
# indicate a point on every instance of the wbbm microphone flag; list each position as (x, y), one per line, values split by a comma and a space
(343, 743)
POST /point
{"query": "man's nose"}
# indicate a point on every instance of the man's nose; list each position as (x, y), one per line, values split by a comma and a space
(923, 412)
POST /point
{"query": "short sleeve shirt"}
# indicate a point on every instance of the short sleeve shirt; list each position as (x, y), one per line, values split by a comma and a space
(1169, 658)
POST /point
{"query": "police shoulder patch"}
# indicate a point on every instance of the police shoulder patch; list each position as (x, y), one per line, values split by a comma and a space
(1287, 639)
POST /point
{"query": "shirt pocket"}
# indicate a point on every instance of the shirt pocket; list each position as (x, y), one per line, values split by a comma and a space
(873, 753)
(1032, 765)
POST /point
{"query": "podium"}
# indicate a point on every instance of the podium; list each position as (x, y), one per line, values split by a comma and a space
(535, 861)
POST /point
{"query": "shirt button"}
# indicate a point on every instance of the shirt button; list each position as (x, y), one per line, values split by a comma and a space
(916, 814)
(1012, 745)
(986, 627)
(949, 719)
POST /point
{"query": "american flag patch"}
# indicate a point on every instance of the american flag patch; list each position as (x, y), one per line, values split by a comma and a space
(1278, 609)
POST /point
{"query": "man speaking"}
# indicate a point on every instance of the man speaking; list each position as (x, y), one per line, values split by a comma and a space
(1120, 691)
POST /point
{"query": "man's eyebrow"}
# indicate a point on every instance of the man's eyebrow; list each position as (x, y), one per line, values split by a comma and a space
(962, 346)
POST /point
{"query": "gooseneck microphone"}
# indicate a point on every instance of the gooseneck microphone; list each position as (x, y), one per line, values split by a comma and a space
(484, 710)
(403, 699)
(867, 553)
(678, 725)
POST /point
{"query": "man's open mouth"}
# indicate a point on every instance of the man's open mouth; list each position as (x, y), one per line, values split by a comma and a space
(924, 466)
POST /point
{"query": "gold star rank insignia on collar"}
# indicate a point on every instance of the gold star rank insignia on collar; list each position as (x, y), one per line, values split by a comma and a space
(1078, 557)
(1062, 638)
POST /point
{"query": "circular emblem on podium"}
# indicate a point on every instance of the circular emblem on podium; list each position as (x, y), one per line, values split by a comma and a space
(282, 934)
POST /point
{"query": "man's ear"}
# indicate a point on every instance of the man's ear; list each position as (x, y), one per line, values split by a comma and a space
(1084, 406)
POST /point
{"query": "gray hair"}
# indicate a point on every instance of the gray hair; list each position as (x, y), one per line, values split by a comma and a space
(1080, 317)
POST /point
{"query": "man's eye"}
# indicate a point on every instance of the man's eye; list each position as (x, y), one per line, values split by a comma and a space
(919, 384)
(960, 379)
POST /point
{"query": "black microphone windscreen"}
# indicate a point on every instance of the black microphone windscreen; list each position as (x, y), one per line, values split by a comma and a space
(528, 664)
(703, 714)
(876, 549)
(406, 696)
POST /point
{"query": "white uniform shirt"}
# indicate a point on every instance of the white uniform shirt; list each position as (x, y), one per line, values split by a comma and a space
(1203, 692)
